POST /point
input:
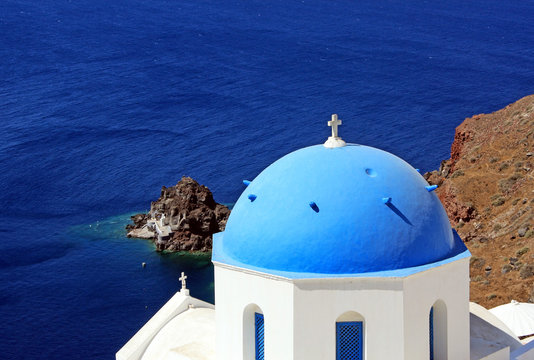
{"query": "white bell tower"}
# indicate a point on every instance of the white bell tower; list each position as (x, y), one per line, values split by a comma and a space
(314, 264)
(385, 317)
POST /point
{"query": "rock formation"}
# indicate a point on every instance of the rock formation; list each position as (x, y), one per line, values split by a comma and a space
(487, 188)
(184, 218)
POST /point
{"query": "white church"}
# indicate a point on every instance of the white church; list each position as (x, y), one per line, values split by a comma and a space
(334, 252)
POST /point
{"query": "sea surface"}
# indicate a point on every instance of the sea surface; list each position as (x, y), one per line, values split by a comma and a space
(103, 102)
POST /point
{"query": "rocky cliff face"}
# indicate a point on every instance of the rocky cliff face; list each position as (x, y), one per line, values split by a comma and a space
(184, 218)
(487, 188)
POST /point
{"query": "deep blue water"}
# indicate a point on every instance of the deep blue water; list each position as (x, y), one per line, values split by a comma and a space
(102, 102)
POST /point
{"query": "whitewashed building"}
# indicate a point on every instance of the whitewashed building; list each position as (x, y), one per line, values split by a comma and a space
(334, 252)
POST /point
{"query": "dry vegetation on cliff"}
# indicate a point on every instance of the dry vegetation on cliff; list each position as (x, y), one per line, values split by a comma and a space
(487, 188)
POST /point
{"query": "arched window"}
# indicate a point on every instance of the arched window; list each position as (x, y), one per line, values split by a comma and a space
(350, 336)
(437, 332)
(253, 333)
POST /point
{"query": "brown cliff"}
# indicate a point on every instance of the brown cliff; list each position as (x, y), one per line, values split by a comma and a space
(487, 188)
(184, 218)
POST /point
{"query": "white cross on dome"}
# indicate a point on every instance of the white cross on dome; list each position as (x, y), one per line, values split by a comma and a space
(334, 141)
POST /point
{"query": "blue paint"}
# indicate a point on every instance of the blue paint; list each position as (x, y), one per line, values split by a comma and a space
(349, 340)
(219, 257)
(259, 336)
(354, 234)
(386, 200)
(246, 182)
(314, 206)
(399, 213)
(431, 188)
(252, 197)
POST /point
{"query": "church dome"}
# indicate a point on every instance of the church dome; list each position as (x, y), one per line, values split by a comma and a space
(337, 211)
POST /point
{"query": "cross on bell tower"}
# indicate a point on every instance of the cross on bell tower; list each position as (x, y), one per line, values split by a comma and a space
(334, 141)
(182, 279)
(184, 289)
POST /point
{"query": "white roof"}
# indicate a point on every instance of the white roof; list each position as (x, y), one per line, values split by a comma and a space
(489, 334)
(188, 336)
(519, 317)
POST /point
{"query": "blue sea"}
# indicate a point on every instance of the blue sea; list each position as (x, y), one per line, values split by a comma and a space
(103, 102)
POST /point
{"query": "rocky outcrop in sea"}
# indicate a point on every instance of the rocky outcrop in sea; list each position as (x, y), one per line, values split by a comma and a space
(184, 218)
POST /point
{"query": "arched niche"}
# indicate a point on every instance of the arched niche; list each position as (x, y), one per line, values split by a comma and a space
(350, 336)
(249, 331)
(438, 331)
(350, 316)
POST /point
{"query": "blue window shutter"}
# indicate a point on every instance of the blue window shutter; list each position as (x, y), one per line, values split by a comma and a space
(349, 340)
(259, 335)
(431, 332)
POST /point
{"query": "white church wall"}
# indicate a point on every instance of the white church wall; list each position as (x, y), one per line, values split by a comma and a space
(319, 303)
(502, 354)
(447, 288)
(239, 293)
(300, 315)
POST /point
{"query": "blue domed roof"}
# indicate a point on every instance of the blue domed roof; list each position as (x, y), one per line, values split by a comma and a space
(337, 211)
